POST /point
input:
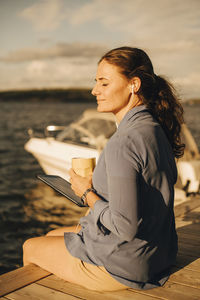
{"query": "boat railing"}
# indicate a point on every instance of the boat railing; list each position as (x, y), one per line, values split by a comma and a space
(83, 130)
(98, 141)
(53, 128)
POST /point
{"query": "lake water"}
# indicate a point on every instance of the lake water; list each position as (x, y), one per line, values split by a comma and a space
(27, 207)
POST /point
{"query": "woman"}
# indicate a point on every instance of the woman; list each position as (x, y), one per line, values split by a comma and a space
(128, 239)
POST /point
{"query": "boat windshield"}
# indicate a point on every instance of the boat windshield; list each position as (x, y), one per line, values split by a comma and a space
(99, 127)
(88, 132)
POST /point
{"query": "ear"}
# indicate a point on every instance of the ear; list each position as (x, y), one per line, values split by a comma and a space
(135, 84)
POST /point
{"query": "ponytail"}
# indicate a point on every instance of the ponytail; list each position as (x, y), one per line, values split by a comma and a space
(168, 111)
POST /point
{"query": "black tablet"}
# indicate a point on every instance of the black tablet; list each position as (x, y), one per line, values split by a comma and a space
(62, 186)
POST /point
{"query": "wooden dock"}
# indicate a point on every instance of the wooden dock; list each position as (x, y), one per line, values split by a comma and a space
(31, 282)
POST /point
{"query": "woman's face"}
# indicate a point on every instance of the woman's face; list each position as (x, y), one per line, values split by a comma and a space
(112, 89)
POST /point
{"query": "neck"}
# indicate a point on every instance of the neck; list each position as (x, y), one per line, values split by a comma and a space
(120, 114)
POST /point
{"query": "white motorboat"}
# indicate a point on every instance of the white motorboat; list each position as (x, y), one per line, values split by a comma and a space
(88, 136)
(84, 138)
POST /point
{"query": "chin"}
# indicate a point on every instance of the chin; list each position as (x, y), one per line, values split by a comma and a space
(102, 108)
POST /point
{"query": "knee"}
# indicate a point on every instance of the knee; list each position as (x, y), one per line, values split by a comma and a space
(26, 245)
(50, 233)
(27, 251)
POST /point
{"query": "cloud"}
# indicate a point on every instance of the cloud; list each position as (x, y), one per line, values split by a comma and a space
(167, 30)
(61, 72)
(188, 84)
(44, 15)
(165, 26)
(192, 78)
(139, 15)
(64, 72)
(75, 49)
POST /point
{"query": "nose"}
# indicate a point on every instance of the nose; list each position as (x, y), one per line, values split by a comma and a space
(94, 91)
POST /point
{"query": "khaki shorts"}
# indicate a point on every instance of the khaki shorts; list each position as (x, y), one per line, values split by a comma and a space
(94, 277)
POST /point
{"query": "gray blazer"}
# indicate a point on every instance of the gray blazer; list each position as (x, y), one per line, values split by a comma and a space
(131, 230)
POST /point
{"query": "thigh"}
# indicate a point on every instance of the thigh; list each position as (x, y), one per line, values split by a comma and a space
(96, 278)
(51, 254)
(62, 230)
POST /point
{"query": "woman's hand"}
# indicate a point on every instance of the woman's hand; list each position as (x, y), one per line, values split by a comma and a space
(79, 184)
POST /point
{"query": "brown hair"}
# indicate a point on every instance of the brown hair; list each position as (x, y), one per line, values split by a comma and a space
(155, 92)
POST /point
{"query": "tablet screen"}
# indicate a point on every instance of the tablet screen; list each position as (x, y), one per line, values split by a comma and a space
(62, 186)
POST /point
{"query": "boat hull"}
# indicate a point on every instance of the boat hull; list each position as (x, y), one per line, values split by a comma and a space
(55, 157)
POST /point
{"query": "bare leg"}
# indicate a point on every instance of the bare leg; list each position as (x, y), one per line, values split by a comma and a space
(62, 230)
(50, 253)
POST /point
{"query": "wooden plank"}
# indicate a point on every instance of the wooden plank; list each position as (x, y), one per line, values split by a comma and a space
(188, 262)
(189, 234)
(194, 212)
(189, 250)
(186, 277)
(193, 253)
(186, 206)
(186, 244)
(174, 291)
(189, 244)
(78, 291)
(18, 278)
(38, 292)
(191, 213)
(194, 249)
(189, 237)
(181, 224)
(189, 228)
(197, 209)
(187, 220)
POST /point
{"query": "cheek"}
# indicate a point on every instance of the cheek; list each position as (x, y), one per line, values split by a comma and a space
(112, 92)
(120, 94)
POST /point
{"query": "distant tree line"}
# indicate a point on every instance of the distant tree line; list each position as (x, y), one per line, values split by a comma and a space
(193, 101)
(69, 95)
(51, 95)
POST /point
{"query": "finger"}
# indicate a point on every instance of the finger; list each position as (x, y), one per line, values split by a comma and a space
(70, 171)
(70, 175)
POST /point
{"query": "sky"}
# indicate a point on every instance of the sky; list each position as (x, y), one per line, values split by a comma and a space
(57, 43)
